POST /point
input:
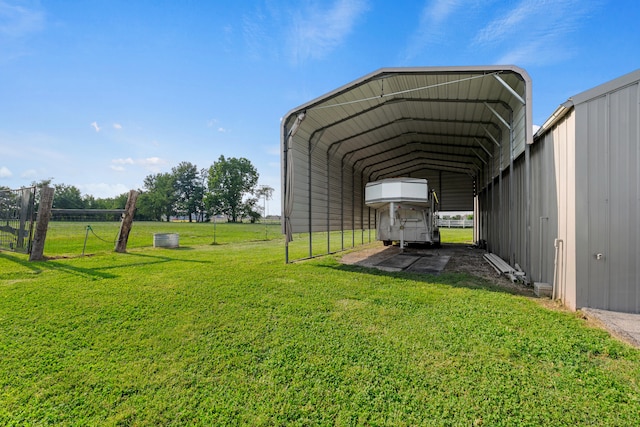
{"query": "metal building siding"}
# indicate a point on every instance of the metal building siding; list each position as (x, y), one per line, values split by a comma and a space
(613, 224)
(625, 198)
(553, 208)
(565, 153)
(458, 195)
(608, 220)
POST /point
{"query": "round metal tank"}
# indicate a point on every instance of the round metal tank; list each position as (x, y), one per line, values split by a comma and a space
(166, 240)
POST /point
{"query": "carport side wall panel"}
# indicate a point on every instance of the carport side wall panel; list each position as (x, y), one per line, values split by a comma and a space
(335, 193)
(345, 196)
(300, 190)
(544, 206)
(459, 193)
(519, 213)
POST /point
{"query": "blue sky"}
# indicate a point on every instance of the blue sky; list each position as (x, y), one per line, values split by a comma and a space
(99, 94)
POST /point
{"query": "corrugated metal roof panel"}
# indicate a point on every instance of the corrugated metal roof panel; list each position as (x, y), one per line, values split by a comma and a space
(399, 121)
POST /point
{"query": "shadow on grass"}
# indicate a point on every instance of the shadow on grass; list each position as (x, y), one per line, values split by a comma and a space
(453, 279)
(152, 259)
(38, 267)
(10, 256)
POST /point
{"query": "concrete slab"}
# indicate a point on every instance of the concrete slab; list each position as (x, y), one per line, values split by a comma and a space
(429, 264)
(542, 289)
(623, 325)
(397, 263)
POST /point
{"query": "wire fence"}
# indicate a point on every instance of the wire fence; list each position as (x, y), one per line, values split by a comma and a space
(83, 231)
(92, 215)
(17, 218)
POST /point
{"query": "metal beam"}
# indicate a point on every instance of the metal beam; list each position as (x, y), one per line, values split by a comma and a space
(498, 116)
(509, 88)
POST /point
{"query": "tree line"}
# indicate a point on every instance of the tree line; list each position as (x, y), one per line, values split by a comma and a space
(229, 187)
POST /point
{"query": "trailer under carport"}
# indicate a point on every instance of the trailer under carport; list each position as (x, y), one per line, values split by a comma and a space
(464, 129)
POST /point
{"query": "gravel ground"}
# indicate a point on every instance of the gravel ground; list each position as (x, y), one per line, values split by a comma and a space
(463, 259)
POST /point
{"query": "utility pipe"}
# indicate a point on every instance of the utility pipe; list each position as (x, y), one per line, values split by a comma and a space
(556, 244)
(540, 247)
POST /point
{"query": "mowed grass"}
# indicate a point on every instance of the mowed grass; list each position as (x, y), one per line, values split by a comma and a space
(68, 238)
(456, 235)
(228, 334)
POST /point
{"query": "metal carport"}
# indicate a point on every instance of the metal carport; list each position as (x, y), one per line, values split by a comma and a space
(459, 127)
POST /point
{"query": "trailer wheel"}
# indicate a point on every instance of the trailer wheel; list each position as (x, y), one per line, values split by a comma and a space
(436, 239)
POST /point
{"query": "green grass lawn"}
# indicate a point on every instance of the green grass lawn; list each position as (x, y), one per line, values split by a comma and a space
(228, 334)
(68, 238)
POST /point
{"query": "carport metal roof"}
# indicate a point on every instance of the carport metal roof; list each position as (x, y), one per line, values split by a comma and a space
(398, 122)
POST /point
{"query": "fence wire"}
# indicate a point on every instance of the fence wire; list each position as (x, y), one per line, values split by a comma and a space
(17, 218)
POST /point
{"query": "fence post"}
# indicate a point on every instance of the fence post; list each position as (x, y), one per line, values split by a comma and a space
(127, 222)
(42, 223)
(25, 201)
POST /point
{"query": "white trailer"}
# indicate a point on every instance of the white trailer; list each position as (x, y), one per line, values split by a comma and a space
(406, 211)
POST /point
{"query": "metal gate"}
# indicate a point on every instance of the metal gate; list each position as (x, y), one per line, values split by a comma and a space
(17, 217)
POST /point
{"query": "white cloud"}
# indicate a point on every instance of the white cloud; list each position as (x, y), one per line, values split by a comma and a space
(95, 126)
(544, 42)
(154, 164)
(214, 122)
(5, 172)
(432, 27)
(127, 161)
(317, 31)
(314, 29)
(439, 10)
(18, 21)
(29, 173)
(102, 190)
(152, 161)
(117, 126)
(511, 22)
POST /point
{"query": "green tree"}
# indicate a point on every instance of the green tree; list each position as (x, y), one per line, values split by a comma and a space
(201, 209)
(159, 197)
(249, 209)
(67, 197)
(188, 188)
(265, 193)
(120, 201)
(229, 181)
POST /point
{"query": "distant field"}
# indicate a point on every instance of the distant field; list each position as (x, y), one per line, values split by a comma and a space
(456, 235)
(66, 238)
(229, 334)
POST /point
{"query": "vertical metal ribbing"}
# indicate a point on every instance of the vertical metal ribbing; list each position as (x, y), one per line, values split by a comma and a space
(512, 178)
(328, 203)
(527, 214)
(353, 209)
(310, 202)
(342, 204)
